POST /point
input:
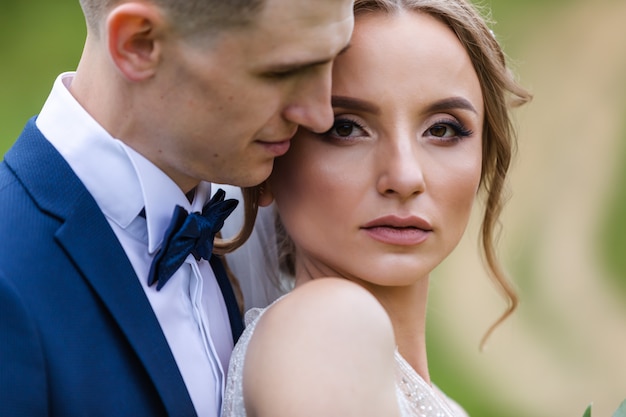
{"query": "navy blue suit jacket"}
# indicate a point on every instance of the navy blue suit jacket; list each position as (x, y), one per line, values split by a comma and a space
(77, 335)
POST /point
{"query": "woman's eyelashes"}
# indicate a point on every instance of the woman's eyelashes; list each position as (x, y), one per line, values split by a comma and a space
(345, 128)
(448, 131)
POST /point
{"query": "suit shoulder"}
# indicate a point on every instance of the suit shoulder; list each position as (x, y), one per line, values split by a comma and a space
(7, 178)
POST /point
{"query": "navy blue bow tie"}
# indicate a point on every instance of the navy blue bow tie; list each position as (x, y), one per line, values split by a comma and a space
(189, 233)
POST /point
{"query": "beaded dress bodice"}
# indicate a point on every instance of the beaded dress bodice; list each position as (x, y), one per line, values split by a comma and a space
(415, 397)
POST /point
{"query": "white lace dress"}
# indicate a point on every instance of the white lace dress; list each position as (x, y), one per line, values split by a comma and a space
(415, 397)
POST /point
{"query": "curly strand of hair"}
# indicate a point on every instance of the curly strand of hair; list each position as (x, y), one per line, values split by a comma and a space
(251, 206)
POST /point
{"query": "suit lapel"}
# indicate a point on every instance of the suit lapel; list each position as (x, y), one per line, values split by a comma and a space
(89, 241)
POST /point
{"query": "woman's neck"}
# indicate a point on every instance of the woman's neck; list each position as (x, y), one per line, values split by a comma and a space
(406, 307)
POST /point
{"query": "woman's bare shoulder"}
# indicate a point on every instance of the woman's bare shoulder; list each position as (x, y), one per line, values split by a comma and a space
(327, 348)
(337, 309)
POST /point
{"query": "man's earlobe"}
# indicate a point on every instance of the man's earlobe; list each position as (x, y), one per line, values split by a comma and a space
(133, 31)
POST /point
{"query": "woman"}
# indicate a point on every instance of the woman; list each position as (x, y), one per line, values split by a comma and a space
(421, 102)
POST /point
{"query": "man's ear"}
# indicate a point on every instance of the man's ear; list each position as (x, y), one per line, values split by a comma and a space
(134, 43)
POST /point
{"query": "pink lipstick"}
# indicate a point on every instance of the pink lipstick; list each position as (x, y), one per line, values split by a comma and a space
(400, 231)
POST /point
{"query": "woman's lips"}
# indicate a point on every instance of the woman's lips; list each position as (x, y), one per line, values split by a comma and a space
(400, 236)
(401, 231)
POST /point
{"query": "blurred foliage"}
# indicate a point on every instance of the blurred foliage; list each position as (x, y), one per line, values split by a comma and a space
(448, 373)
(620, 412)
(512, 19)
(613, 236)
(40, 39)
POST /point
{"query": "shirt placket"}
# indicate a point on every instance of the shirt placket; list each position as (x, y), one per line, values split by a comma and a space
(203, 325)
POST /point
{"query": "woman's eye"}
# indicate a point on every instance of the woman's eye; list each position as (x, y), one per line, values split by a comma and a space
(448, 132)
(345, 128)
(441, 131)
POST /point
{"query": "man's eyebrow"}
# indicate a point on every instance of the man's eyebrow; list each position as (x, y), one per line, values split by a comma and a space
(350, 103)
(296, 66)
(450, 104)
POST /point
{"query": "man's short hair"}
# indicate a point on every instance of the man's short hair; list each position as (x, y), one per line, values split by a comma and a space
(188, 16)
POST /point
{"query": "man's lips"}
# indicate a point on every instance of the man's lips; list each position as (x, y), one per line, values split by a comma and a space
(277, 148)
(395, 230)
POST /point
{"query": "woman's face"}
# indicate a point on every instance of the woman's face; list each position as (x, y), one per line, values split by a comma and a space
(386, 194)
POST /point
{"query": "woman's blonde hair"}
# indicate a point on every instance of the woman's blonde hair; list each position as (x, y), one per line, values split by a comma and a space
(500, 91)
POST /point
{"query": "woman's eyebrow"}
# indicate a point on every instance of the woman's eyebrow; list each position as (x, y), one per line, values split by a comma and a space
(452, 103)
(369, 107)
(351, 103)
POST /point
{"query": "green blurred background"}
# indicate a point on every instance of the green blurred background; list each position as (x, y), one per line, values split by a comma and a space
(564, 229)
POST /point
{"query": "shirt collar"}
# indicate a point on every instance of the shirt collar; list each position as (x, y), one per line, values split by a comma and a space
(121, 180)
(160, 196)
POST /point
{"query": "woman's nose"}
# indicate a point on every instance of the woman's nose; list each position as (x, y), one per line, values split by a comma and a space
(401, 173)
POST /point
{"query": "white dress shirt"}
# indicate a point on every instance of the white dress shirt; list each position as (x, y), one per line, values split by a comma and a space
(190, 307)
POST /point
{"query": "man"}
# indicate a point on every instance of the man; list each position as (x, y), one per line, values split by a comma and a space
(168, 97)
